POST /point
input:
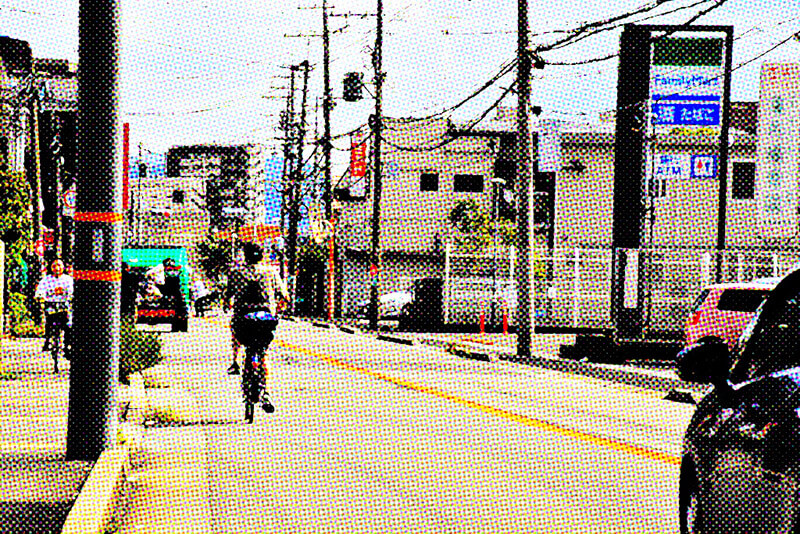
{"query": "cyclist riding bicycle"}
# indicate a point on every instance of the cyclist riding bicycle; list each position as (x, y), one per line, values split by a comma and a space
(55, 290)
(256, 288)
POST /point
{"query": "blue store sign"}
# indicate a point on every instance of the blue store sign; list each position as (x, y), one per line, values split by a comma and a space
(686, 114)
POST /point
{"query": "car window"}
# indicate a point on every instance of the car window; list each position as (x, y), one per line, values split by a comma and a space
(772, 341)
(741, 300)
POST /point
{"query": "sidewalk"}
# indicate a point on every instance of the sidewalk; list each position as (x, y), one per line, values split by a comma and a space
(38, 486)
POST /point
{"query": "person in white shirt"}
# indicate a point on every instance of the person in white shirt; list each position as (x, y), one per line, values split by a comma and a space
(55, 291)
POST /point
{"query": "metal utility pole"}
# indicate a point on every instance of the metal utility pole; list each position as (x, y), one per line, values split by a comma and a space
(294, 190)
(723, 155)
(377, 127)
(524, 182)
(92, 421)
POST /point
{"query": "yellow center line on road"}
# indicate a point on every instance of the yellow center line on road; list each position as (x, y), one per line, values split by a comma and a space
(586, 437)
(618, 445)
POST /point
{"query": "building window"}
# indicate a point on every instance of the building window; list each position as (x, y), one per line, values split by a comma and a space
(468, 183)
(429, 181)
(178, 196)
(744, 180)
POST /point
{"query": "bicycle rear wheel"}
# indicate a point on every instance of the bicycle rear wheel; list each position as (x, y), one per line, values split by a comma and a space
(252, 382)
(57, 346)
(249, 411)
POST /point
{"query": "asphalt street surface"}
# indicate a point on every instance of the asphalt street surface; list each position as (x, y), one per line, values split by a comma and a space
(371, 436)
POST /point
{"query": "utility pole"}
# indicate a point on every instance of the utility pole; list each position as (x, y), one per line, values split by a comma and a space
(92, 420)
(58, 158)
(523, 184)
(287, 124)
(377, 126)
(327, 107)
(294, 190)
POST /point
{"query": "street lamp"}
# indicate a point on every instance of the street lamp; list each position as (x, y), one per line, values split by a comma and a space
(497, 184)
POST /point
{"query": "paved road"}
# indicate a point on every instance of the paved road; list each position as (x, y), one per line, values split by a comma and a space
(376, 437)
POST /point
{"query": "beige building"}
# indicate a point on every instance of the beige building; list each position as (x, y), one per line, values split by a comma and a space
(680, 227)
(419, 189)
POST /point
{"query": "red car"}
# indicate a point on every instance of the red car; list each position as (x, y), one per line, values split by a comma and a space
(722, 311)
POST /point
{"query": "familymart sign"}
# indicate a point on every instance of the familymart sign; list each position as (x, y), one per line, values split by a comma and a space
(687, 80)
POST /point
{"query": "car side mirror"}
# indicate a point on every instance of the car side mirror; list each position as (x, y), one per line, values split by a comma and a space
(705, 363)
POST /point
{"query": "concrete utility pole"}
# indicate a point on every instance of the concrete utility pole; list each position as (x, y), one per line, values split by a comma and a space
(92, 421)
(287, 124)
(377, 127)
(327, 107)
(524, 182)
(294, 190)
(58, 159)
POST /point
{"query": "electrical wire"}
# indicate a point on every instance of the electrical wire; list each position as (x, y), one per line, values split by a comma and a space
(449, 140)
(579, 34)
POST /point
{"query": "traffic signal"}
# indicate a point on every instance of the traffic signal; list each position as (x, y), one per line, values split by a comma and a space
(352, 86)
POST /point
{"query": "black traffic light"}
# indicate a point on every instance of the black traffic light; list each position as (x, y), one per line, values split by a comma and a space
(352, 86)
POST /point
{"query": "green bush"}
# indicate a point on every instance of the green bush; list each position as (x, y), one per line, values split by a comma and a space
(20, 320)
(27, 329)
(138, 350)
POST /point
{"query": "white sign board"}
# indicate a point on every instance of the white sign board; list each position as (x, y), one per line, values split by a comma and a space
(549, 146)
(692, 83)
(687, 80)
(684, 166)
(778, 151)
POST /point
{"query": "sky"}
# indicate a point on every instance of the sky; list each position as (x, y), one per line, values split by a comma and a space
(215, 71)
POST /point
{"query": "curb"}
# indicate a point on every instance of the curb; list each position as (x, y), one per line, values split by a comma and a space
(396, 339)
(464, 352)
(675, 387)
(93, 511)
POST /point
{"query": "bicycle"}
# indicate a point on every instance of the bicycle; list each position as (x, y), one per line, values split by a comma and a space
(255, 331)
(57, 317)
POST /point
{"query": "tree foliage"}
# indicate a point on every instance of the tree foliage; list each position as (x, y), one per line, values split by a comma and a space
(477, 229)
(214, 256)
(15, 215)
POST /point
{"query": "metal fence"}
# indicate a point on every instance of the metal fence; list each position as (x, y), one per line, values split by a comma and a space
(572, 287)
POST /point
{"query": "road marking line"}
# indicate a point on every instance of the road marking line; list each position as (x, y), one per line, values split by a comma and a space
(618, 445)
(613, 444)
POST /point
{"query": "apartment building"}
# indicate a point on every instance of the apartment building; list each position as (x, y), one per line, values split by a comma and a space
(206, 188)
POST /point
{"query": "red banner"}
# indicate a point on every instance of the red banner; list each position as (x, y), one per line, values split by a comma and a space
(358, 155)
(126, 144)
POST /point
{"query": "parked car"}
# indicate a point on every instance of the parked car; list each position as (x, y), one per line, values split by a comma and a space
(721, 311)
(389, 305)
(425, 311)
(740, 470)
